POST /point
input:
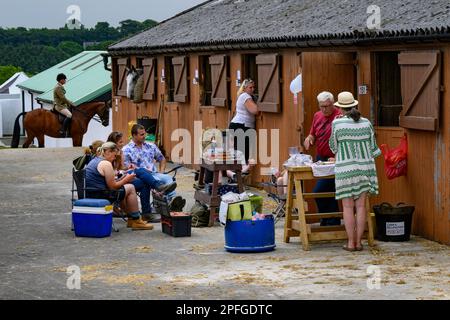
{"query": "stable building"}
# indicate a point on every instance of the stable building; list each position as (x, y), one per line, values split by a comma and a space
(395, 59)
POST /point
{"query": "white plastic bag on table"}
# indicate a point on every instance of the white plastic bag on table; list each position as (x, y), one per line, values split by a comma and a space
(299, 160)
(322, 169)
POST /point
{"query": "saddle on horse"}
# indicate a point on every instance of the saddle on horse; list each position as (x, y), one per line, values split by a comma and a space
(65, 122)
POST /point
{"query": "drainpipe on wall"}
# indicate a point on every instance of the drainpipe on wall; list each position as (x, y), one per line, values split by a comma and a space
(32, 102)
(23, 110)
(105, 61)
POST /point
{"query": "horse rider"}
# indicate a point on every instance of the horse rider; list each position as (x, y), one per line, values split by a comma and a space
(62, 104)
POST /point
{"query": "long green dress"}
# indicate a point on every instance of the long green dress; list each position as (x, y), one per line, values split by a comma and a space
(355, 148)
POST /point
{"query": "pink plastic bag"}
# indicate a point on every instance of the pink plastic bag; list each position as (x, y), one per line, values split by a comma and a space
(395, 159)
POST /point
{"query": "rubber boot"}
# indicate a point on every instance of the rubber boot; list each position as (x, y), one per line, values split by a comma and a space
(64, 133)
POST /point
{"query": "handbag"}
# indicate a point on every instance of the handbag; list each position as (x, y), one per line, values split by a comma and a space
(80, 162)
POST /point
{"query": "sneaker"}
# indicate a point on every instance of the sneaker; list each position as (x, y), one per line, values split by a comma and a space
(151, 217)
(166, 188)
(139, 224)
(177, 204)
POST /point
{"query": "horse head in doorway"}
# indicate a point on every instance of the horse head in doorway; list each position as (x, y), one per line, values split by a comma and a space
(133, 75)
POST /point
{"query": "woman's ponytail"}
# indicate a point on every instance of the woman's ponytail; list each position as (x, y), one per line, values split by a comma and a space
(353, 113)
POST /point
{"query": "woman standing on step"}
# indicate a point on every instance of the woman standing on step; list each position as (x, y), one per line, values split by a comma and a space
(246, 110)
(353, 142)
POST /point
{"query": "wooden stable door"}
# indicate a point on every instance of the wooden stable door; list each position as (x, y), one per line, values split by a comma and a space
(323, 71)
(171, 114)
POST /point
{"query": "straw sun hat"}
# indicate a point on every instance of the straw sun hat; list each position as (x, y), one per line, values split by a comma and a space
(346, 100)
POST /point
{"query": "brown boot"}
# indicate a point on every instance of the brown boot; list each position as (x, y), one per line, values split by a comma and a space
(139, 224)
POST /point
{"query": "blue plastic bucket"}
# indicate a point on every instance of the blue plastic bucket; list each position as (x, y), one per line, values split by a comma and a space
(250, 236)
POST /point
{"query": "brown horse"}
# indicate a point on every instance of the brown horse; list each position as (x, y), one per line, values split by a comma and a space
(40, 122)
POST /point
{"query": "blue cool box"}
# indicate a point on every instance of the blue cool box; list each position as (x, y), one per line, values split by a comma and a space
(250, 236)
(92, 218)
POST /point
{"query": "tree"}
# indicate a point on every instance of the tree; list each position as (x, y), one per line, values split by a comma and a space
(7, 72)
(70, 48)
(102, 26)
(35, 50)
(101, 46)
(103, 31)
(129, 27)
(149, 23)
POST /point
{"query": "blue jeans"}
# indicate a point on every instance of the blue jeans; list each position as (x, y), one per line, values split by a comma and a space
(325, 205)
(143, 183)
(144, 195)
(165, 179)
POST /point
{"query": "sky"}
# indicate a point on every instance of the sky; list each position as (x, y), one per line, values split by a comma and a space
(53, 13)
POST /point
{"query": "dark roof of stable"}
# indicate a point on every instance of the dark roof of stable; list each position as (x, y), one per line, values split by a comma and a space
(222, 24)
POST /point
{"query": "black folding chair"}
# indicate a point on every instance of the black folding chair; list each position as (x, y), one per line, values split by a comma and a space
(174, 177)
(175, 170)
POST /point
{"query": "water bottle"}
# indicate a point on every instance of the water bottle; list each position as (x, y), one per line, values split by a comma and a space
(213, 147)
(274, 172)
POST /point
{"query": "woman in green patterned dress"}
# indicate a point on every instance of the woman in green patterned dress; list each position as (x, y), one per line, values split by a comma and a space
(353, 141)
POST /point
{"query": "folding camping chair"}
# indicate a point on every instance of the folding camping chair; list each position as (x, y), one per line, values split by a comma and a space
(271, 188)
(175, 170)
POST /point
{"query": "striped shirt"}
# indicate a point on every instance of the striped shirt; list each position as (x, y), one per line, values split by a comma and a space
(356, 149)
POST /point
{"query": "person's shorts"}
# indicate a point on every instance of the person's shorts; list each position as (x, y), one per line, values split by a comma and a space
(110, 195)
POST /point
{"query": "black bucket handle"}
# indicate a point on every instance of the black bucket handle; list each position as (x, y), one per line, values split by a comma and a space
(241, 206)
(385, 204)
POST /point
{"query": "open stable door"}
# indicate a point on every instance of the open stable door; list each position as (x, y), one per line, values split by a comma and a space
(323, 71)
(421, 89)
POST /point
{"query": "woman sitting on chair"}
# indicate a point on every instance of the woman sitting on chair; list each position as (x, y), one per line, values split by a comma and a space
(101, 184)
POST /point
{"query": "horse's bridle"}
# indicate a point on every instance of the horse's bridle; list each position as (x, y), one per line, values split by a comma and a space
(99, 120)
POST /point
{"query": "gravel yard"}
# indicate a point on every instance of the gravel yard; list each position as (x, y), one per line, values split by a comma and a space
(38, 247)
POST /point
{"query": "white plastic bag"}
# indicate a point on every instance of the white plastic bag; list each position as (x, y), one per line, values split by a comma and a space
(298, 160)
(322, 169)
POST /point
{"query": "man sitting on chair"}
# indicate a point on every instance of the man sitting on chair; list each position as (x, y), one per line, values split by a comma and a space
(140, 154)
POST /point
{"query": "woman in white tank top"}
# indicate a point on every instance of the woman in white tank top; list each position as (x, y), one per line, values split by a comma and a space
(246, 109)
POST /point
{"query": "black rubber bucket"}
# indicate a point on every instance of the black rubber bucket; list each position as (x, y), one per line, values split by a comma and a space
(393, 223)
